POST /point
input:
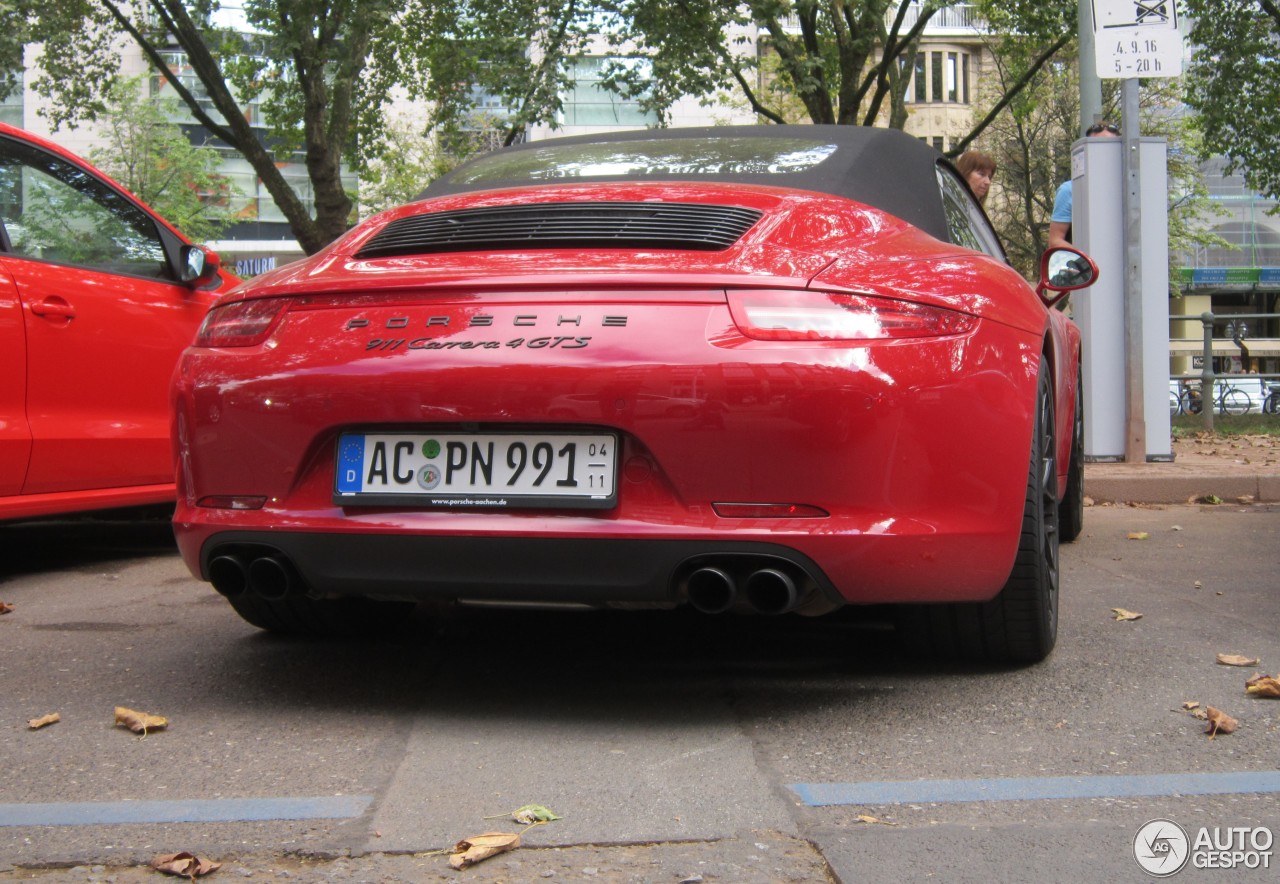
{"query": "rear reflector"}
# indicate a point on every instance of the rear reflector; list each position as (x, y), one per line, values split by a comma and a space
(768, 511)
(231, 502)
(786, 315)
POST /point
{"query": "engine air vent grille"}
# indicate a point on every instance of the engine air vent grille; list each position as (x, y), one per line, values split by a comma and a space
(618, 225)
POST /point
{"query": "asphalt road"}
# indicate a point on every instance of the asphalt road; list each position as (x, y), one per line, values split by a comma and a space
(752, 750)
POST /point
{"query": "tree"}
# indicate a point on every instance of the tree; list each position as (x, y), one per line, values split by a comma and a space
(844, 61)
(1234, 85)
(320, 72)
(1031, 142)
(153, 158)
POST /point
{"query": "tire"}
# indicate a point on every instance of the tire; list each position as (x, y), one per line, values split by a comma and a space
(1071, 510)
(301, 615)
(1019, 625)
(1189, 402)
(1271, 404)
(1236, 402)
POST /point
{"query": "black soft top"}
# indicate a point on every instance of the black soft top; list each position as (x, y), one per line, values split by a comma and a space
(883, 168)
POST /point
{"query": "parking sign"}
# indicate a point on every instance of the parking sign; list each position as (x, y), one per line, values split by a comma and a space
(1136, 38)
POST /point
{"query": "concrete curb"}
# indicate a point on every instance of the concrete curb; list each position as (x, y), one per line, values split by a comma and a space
(1179, 483)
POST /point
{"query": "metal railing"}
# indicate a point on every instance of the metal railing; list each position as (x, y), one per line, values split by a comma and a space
(1223, 394)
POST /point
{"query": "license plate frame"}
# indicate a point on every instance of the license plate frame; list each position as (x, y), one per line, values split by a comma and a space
(439, 470)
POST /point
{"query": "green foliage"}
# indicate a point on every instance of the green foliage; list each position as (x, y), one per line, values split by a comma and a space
(1031, 143)
(1234, 84)
(151, 156)
(320, 74)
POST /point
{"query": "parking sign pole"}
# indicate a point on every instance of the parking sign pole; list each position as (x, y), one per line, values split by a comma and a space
(1135, 445)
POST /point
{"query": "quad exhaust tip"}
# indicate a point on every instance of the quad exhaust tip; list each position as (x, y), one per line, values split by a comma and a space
(746, 586)
(268, 575)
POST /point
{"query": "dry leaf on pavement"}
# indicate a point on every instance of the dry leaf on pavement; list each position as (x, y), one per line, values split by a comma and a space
(1122, 614)
(36, 723)
(528, 815)
(140, 722)
(868, 818)
(1263, 686)
(1138, 535)
(1237, 660)
(184, 864)
(5, 608)
(1219, 722)
(478, 848)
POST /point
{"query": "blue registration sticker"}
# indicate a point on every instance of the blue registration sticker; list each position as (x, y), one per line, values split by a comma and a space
(350, 465)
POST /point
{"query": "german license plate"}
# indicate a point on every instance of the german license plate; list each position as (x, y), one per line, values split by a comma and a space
(469, 470)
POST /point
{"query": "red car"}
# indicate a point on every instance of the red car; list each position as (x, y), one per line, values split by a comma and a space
(466, 398)
(98, 296)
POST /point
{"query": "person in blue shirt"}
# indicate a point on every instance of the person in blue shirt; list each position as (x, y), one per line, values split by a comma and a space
(1060, 220)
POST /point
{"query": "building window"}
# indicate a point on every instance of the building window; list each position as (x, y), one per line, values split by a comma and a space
(936, 66)
(921, 94)
(588, 103)
(11, 106)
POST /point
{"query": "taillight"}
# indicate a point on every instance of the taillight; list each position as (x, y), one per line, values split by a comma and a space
(784, 315)
(240, 323)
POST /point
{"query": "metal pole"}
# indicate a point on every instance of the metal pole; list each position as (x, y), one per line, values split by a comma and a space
(1135, 446)
(1206, 373)
(1090, 85)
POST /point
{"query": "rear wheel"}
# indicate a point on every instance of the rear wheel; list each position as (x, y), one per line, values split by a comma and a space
(1236, 402)
(1071, 510)
(1020, 625)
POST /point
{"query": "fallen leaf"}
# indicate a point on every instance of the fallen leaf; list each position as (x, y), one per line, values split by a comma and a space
(478, 848)
(5, 608)
(528, 815)
(867, 818)
(1122, 614)
(184, 864)
(1219, 722)
(140, 722)
(1138, 535)
(36, 723)
(1198, 585)
(533, 813)
(1263, 686)
(1237, 660)
(1210, 499)
(1191, 704)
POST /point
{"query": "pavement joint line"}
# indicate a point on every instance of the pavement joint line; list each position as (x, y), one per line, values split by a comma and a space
(1035, 788)
(210, 810)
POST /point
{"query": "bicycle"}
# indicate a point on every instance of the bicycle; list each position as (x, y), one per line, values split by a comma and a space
(1271, 404)
(1226, 400)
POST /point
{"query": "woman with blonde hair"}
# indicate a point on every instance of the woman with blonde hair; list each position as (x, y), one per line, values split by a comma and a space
(978, 169)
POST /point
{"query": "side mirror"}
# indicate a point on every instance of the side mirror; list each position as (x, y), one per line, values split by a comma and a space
(1064, 270)
(198, 265)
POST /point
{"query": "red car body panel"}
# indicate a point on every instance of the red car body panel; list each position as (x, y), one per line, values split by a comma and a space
(906, 459)
(86, 359)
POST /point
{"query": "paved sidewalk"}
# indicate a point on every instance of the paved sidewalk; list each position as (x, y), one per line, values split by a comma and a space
(1232, 469)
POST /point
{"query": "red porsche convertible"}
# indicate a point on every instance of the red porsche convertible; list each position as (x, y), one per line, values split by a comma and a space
(744, 369)
(98, 297)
